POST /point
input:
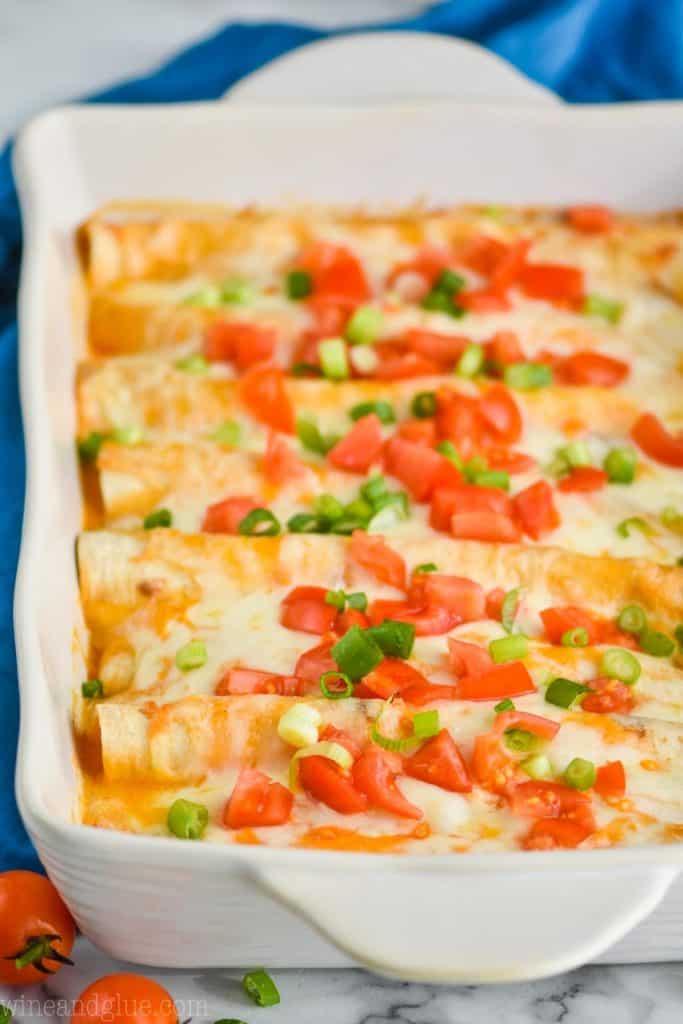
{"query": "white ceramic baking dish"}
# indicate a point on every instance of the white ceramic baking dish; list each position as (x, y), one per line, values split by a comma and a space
(465, 918)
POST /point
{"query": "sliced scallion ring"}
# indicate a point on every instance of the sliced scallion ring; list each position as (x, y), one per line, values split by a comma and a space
(329, 681)
(260, 522)
(527, 376)
(471, 362)
(508, 609)
(426, 724)
(383, 410)
(577, 637)
(298, 284)
(504, 705)
(423, 405)
(659, 645)
(580, 774)
(365, 325)
(563, 692)
(509, 648)
(520, 740)
(357, 653)
(632, 618)
(334, 359)
(398, 746)
(620, 465)
(626, 527)
(617, 663)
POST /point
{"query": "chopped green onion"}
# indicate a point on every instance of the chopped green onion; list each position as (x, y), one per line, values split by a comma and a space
(89, 447)
(357, 653)
(127, 435)
(374, 489)
(471, 362)
(229, 432)
(575, 454)
(509, 648)
(437, 301)
(303, 369)
(423, 404)
(672, 519)
(359, 509)
(187, 820)
(608, 309)
(389, 514)
(328, 507)
(520, 740)
(209, 296)
(620, 465)
(191, 655)
(358, 601)
(235, 292)
(347, 525)
(659, 645)
(397, 746)
(298, 284)
(161, 517)
(92, 688)
(620, 664)
(528, 376)
(304, 522)
(337, 598)
(537, 767)
(508, 609)
(504, 705)
(335, 678)
(5, 1014)
(260, 522)
(395, 639)
(492, 478)
(577, 637)
(365, 325)
(632, 618)
(299, 725)
(261, 988)
(678, 633)
(311, 438)
(580, 774)
(449, 281)
(448, 449)
(474, 466)
(563, 692)
(426, 567)
(333, 359)
(383, 410)
(426, 724)
(196, 364)
(626, 526)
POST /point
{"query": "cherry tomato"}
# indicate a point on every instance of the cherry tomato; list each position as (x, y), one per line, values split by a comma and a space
(36, 930)
(124, 999)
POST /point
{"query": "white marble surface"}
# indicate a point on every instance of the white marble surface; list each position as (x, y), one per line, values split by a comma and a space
(55, 50)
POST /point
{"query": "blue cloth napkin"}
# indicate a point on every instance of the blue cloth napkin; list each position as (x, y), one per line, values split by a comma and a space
(586, 50)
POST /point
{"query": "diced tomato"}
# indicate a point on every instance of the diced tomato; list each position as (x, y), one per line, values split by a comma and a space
(330, 734)
(373, 776)
(509, 461)
(392, 676)
(504, 348)
(395, 364)
(330, 315)
(251, 680)
(428, 621)
(422, 432)
(467, 499)
(491, 767)
(305, 609)
(257, 801)
(458, 420)
(447, 476)
(509, 680)
(463, 597)
(483, 300)
(468, 659)
(541, 799)
(280, 462)
(590, 218)
(375, 555)
(244, 344)
(440, 762)
(494, 603)
(225, 516)
(362, 446)
(651, 435)
(555, 282)
(335, 271)
(615, 637)
(482, 254)
(307, 351)
(554, 833)
(312, 664)
(428, 693)
(351, 617)
(609, 695)
(510, 265)
(610, 780)
(414, 465)
(324, 780)
(535, 509)
(441, 348)
(558, 620)
(428, 263)
(264, 393)
(544, 728)
(484, 526)
(593, 369)
(583, 480)
(501, 414)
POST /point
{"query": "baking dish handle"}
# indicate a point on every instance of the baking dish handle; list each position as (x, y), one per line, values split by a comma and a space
(471, 927)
